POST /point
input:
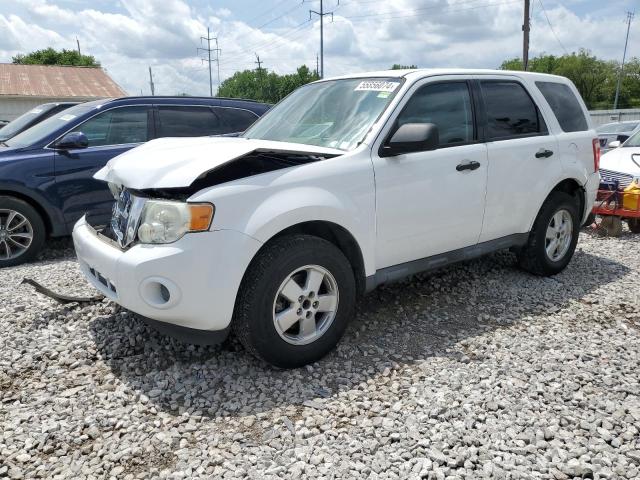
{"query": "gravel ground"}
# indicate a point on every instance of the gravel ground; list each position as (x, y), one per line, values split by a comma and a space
(476, 371)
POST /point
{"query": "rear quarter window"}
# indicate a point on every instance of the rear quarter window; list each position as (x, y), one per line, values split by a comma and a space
(565, 106)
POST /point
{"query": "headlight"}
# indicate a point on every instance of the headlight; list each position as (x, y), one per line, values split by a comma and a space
(165, 221)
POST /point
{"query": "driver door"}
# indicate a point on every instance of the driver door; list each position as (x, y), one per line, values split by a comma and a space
(431, 202)
(110, 133)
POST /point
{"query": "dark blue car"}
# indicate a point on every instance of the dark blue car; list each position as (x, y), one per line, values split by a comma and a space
(46, 172)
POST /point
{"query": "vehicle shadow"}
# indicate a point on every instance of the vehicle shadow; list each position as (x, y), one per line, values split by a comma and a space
(396, 325)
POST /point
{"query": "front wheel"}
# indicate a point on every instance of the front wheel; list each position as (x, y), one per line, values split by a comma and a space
(554, 236)
(295, 301)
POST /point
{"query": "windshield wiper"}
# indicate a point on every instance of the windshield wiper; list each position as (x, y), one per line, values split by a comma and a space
(2, 144)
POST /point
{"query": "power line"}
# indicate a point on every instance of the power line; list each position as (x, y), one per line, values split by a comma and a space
(322, 14)
(208, 38)
(630, 16)
(544, 10)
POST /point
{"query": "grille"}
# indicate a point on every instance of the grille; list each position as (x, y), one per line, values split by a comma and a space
(125, 217)
(623, 179)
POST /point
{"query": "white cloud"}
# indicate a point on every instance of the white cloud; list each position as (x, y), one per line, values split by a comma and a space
(166, 33)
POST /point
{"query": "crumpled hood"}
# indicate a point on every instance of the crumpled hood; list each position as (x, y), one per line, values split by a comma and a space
(619, 160)
(177, 162)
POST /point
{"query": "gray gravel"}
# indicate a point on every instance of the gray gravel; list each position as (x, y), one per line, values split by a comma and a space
(476, 371)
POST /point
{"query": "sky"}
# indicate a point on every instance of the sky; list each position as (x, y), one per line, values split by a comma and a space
(128, 36)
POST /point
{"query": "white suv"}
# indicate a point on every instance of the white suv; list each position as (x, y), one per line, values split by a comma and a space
(346, 184)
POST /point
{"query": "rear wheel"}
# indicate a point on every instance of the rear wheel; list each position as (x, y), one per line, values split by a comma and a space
(295, 301)
(22, 232)
(554, 236)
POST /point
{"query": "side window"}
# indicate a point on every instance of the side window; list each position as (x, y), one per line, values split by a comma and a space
(117, 126)
(236, 120)
(510, 110)
(188, 121)
(565, 106)
(447, 105)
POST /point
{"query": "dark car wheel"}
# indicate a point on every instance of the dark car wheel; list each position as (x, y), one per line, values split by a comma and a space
(295, 301)
(22, 232)
(554, 236)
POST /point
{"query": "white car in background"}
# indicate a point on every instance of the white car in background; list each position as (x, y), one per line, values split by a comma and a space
(610, 133)
(622, 163)
(347, 184)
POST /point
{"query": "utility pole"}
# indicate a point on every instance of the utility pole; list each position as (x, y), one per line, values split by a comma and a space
(153, 90)
(526, 27)
(78, 42)
(630, 16)
(317, 65)
(259, 62)
(322, 14)
(260, 78)
(217, 51)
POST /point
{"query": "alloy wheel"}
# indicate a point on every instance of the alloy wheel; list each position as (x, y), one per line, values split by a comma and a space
(16, 234)
(559, 235)
(306, 304)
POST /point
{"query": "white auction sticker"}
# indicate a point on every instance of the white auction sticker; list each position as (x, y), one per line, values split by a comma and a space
(35, 110)
(377, 86)
(67, 117)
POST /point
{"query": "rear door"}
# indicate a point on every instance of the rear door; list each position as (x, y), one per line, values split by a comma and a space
(236, 120)
(524, 163)
(188, 121)
(110, 133)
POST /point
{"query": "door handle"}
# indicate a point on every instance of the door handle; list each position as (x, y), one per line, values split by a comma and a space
(473, 165)
(544, 153)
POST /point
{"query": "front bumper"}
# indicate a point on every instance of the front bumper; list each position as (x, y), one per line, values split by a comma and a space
(190, 283)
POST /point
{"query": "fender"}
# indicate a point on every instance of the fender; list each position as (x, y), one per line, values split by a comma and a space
(52, 216)
(334, 191)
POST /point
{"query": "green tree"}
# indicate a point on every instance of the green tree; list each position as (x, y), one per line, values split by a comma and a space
(265, 86)
(49, 56)
(397, 66)
(594, 78)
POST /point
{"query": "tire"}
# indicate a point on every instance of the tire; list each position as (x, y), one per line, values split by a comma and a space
(23, 238)
(634, 225)
(297, 259)
(534, 257)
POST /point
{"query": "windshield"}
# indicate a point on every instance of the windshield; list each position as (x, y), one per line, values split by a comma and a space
(634, 140)
(617, 127)
(333, 114)
(45, 128)
(23, 120)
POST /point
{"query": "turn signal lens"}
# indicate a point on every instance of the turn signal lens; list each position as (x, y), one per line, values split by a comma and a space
(201, 217)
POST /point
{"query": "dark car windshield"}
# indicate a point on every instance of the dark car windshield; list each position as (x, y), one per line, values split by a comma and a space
(45, 128)
(23, 120)
(334, 114)
(634, 140)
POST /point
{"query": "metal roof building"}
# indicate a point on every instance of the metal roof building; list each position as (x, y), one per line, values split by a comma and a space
(22, 87)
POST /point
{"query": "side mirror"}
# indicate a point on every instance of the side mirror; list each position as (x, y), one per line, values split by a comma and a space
(71, 141)
(614, 144)
(412, 137)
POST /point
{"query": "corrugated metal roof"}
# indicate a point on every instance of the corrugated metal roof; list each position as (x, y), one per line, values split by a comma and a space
(57, 81)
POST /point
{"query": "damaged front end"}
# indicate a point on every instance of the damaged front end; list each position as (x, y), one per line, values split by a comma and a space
(160, 215)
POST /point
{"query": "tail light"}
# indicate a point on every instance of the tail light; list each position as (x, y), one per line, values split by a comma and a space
(596, 154)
